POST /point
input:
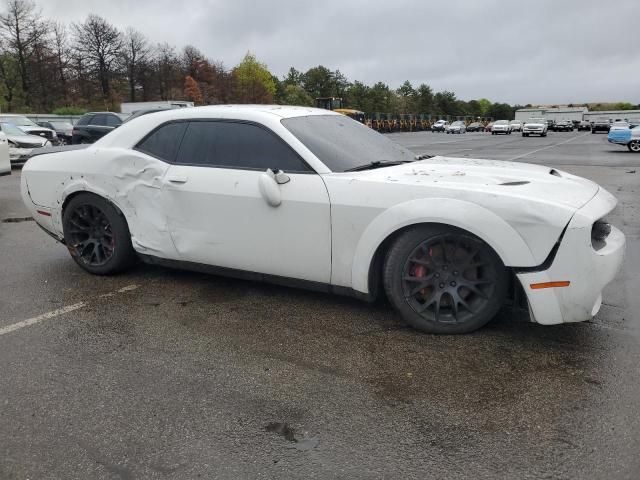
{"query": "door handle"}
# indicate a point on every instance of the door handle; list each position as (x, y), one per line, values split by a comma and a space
(177, 179)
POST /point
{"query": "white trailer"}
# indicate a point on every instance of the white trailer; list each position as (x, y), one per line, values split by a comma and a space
(132, 107)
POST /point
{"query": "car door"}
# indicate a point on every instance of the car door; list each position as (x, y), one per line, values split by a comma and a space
(224, 209)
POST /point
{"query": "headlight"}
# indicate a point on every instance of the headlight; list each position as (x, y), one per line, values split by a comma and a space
(55, 135)
(47, 144)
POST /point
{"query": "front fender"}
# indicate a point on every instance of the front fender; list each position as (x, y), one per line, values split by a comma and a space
(488, 226)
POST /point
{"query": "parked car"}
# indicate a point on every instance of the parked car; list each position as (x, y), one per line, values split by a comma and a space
(584, 125)
(440, 126)
(564, 126)
(93, 126)
(501, 126)
(63, 129)
(535, 126)
(551, 125)
(443, 239)
(475, 127)
(516, 125)
(488, 127)
(5, 163)
(600, 125)
(625, 136)
(29, 127)
(21, 144)
(457, 127)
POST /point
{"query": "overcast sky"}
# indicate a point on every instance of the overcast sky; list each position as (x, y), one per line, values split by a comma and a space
(542, 51)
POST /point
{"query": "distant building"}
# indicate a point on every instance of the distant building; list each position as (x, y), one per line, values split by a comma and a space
(632, 116)
(551, 113)
(577, 114)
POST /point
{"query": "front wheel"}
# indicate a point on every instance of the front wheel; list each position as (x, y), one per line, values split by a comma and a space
(97, 235)
(444, 280)
(634, 146)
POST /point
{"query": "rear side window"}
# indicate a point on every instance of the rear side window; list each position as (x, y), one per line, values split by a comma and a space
(236, 145)
(164, 142)
(99, 119)
(113, 121)
(85, 120)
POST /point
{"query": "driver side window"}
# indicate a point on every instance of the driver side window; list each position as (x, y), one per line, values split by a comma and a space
(237, 145)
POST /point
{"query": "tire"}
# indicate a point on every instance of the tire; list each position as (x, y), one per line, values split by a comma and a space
(593, 131)
(462, 290)
(543, 134)
(634, 146)
(97, 235)
(524, 135)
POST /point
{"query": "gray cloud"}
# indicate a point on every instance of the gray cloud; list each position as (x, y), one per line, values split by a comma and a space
(547, 51)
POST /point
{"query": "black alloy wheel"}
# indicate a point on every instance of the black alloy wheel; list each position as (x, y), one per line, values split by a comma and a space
(449, 280)
(90, 234)
(97, 235)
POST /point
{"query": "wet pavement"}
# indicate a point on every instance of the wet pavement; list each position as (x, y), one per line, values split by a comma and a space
(166, 374)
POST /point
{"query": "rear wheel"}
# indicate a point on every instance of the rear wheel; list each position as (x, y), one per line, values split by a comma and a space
(444, 280)
(97, 235)
(634, 146)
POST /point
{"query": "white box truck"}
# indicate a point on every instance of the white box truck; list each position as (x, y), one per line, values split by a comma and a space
(132, 107)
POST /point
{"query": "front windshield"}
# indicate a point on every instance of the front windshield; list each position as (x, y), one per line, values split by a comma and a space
(342, 143)
(536, 120)
(515, 121)
(20, 121)
(458, 123)
(11, 129)
(502, 122)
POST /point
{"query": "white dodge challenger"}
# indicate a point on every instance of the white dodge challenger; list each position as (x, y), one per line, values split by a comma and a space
(311, 198)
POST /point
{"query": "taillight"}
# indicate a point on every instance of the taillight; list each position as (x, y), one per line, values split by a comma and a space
(599, 233)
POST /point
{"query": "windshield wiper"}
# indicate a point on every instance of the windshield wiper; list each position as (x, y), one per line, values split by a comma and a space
(377, 164)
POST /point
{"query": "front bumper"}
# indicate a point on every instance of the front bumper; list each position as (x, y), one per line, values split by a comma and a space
(18, 156)
(588, 270)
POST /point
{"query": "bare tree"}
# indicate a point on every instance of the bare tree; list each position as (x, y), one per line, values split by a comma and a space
(22, 27)
(62, 55)
(168, 72)
(100, 43)
(134, 55)
(9, 76)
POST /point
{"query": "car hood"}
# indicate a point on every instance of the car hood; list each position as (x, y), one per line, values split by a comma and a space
(27, 129)
(489, 177)
(30, 140)
(534, 124)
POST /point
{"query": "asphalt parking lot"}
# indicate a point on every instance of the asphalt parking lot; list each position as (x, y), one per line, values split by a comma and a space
(176, 375)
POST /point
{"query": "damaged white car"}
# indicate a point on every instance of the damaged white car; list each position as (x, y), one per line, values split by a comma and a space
(306, 197)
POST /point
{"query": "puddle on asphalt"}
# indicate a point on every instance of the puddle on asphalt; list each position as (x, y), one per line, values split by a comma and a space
(285, 430)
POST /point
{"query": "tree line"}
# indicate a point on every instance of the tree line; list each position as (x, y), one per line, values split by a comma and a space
(48, 66)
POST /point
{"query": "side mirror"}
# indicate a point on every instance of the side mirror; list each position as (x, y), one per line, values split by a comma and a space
(270, 187)
(281, 177)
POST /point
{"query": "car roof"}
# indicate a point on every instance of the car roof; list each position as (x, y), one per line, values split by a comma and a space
(269, 115)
